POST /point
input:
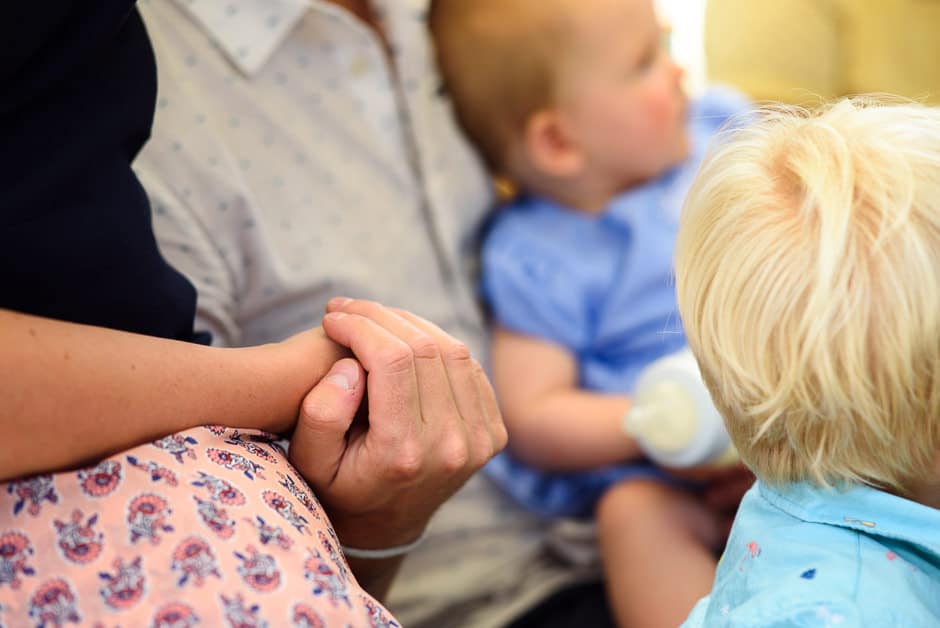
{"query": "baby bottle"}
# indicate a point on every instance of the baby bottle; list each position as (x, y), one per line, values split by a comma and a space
(673, 418)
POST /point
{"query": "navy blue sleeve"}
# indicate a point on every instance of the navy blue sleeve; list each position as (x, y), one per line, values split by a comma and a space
(77, 94)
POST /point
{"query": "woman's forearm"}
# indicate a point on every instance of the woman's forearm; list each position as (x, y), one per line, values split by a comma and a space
(73, 393)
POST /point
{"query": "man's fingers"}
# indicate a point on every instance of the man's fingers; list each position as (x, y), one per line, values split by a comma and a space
(475, 397)
(386, 317)
(430, 348)
(494, 417)
(433, 419)
(319, 439)
(394, 402)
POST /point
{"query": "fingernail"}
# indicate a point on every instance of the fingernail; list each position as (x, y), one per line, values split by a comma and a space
(339, 301)
(335, 316)
(344, 374)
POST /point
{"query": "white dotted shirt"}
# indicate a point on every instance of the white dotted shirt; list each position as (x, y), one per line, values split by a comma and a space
(288, 166)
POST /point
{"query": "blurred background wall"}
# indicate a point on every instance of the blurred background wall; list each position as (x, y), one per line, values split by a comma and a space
(686, 21)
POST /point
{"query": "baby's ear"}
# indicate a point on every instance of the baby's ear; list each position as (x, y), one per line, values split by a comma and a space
(550, 145)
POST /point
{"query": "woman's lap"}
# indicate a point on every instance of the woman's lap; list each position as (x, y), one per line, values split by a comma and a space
(211, 526)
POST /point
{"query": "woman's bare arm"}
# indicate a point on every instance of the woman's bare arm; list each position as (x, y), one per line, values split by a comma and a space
(73, 393)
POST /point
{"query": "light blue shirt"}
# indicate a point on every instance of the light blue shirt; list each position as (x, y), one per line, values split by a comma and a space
(600, 286)
(806, 556)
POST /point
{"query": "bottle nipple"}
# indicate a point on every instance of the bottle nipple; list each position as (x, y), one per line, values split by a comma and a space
(664, 416)
(672, 417)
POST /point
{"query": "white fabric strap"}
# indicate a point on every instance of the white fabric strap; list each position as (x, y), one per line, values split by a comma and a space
(388, 552)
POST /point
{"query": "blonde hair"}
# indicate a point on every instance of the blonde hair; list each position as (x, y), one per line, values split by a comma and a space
(499, 62)
(808, 278)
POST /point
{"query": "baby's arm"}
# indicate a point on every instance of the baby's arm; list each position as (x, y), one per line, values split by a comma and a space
(552, 423)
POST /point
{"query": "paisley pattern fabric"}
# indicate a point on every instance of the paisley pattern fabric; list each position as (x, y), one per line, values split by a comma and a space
(207, 527)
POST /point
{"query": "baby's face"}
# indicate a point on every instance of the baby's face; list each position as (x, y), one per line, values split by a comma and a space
(622, 92)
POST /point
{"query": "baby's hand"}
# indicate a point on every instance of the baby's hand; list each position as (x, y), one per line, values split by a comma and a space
(723, 488)
(701, 474)
(724, 484)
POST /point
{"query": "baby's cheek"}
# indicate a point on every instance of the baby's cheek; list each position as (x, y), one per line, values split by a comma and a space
(663, 111)
(665, 127)
(653, 129)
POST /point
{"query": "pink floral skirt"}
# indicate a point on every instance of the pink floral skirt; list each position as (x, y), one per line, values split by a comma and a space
(211, 527)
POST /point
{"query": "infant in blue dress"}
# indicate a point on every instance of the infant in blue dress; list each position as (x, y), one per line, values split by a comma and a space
(581, 108)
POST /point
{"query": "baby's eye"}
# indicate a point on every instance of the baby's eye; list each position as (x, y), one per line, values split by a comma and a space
(648, 60)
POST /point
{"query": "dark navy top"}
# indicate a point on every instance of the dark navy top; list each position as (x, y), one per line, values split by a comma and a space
(77, 94)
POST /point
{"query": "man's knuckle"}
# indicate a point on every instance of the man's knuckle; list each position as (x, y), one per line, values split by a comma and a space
(480, 452)
(424, 347)
(500, 437)
(455, 455)
(458, 352)
(397, 358)
(407, 464)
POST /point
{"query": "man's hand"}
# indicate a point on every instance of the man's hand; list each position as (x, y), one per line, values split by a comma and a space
(432, 422)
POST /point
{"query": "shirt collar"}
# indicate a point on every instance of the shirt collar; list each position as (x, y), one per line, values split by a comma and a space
(860, 508)
(626, 208)
(249, 31)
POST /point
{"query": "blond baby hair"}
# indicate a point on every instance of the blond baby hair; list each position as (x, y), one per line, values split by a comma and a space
(500, 63)
(808, 279)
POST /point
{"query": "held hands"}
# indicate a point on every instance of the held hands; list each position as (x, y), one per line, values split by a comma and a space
(432, 422)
